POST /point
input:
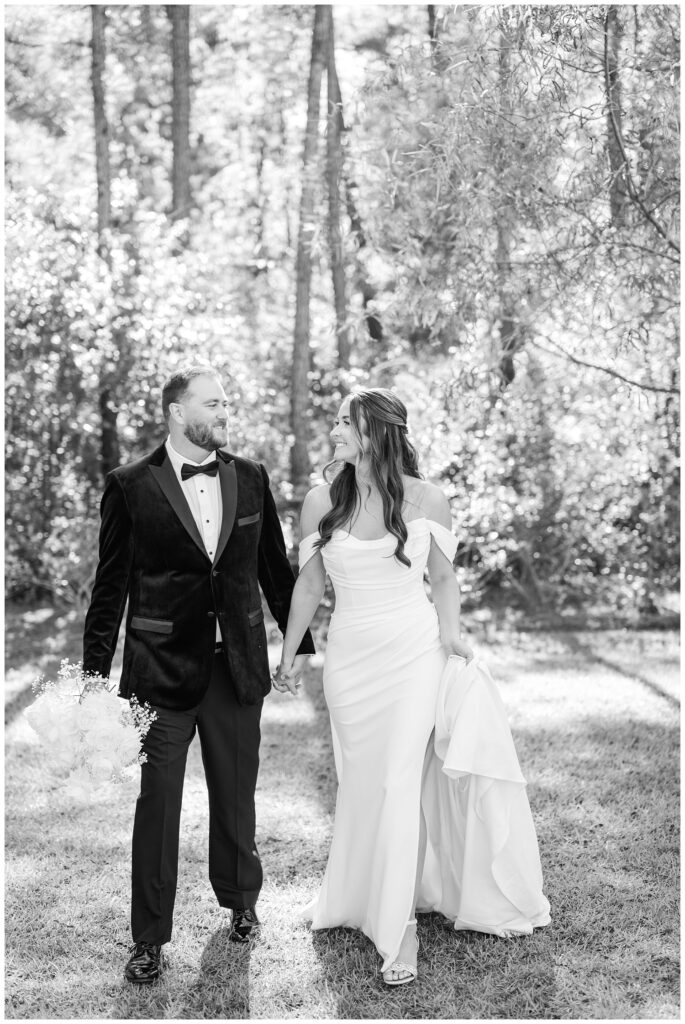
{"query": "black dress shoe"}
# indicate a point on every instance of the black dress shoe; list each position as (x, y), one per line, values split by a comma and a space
(244, 924)
(145, 963)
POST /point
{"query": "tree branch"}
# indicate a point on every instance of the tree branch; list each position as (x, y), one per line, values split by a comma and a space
(9, 38)
(562, 353)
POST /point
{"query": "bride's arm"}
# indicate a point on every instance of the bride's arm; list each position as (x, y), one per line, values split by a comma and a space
(444, 586)
(307, 593)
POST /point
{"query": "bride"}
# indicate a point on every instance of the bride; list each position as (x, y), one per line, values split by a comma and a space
(404, 832)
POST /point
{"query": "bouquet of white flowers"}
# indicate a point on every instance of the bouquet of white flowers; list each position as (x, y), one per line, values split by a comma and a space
(90, 736)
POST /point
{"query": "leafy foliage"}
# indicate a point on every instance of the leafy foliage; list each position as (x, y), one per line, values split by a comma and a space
(531, 325)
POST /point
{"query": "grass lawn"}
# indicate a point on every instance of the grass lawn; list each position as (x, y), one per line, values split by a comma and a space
(595, 719)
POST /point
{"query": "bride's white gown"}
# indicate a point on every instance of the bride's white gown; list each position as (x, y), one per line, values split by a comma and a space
(433, 820)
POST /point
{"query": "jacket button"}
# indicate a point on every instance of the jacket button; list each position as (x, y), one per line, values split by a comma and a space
(211, 615)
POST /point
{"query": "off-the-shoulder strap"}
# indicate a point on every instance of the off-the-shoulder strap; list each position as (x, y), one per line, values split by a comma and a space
(445, 540)
(307, 549)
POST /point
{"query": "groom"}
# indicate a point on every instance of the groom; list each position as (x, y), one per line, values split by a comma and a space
(188, 535)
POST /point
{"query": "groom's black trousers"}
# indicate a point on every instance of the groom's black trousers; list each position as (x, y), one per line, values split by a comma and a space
(229, 738)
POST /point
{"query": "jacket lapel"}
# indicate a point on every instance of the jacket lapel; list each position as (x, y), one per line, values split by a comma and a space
(229, 498)
(168, 482)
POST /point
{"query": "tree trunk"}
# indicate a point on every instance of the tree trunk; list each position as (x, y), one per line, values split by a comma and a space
(258, 259)
(179, 15)
(109, 434)
(439, 56)
(109, 437)
(617, 185)
(299, 455)
(334, 132)
(508, 329)
(432, 25)
(104, 201)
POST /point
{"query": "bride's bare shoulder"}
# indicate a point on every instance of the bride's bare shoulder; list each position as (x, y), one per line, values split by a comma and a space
(316, 504)
(318, 498)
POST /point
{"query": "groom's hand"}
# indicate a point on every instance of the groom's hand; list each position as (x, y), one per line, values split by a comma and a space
(284, 680)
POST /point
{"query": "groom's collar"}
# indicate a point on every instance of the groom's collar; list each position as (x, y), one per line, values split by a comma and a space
(160, 454)
(177, 460)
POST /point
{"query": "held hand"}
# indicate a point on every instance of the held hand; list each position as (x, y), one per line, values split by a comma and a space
(287, 675)
(456, 645)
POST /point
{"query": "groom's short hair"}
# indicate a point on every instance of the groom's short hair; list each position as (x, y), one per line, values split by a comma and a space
(175, 386)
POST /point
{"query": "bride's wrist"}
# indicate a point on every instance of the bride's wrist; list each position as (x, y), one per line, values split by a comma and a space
(451, 636)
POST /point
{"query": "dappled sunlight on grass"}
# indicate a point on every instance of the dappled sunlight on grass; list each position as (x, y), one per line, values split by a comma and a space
(600, 751)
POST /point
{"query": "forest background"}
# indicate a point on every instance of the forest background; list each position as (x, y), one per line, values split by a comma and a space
(477, 205)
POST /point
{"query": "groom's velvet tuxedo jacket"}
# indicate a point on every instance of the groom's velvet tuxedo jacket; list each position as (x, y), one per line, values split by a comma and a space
(151, 553)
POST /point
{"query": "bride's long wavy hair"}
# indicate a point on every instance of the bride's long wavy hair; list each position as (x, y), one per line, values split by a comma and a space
(382, 416)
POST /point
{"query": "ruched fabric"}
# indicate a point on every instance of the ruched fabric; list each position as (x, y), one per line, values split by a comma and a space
(405, 805)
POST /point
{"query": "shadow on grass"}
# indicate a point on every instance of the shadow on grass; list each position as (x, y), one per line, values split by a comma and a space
(587, 651)
(222, 987)
(310, 771)
(619, 762)
(464, 975)
(38, 639)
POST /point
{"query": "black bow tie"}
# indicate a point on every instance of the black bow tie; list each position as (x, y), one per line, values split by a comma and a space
(210, 468)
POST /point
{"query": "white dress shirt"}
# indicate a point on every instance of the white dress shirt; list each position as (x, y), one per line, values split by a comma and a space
(203, 494)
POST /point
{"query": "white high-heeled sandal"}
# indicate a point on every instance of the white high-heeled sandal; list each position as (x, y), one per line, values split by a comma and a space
(409, 972)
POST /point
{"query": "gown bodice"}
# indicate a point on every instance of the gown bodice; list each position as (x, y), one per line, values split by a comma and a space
(366, 576)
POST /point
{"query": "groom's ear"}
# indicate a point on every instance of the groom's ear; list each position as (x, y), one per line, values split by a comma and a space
(176, 413)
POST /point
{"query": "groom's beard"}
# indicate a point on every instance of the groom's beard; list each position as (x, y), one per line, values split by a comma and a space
(209, 436)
